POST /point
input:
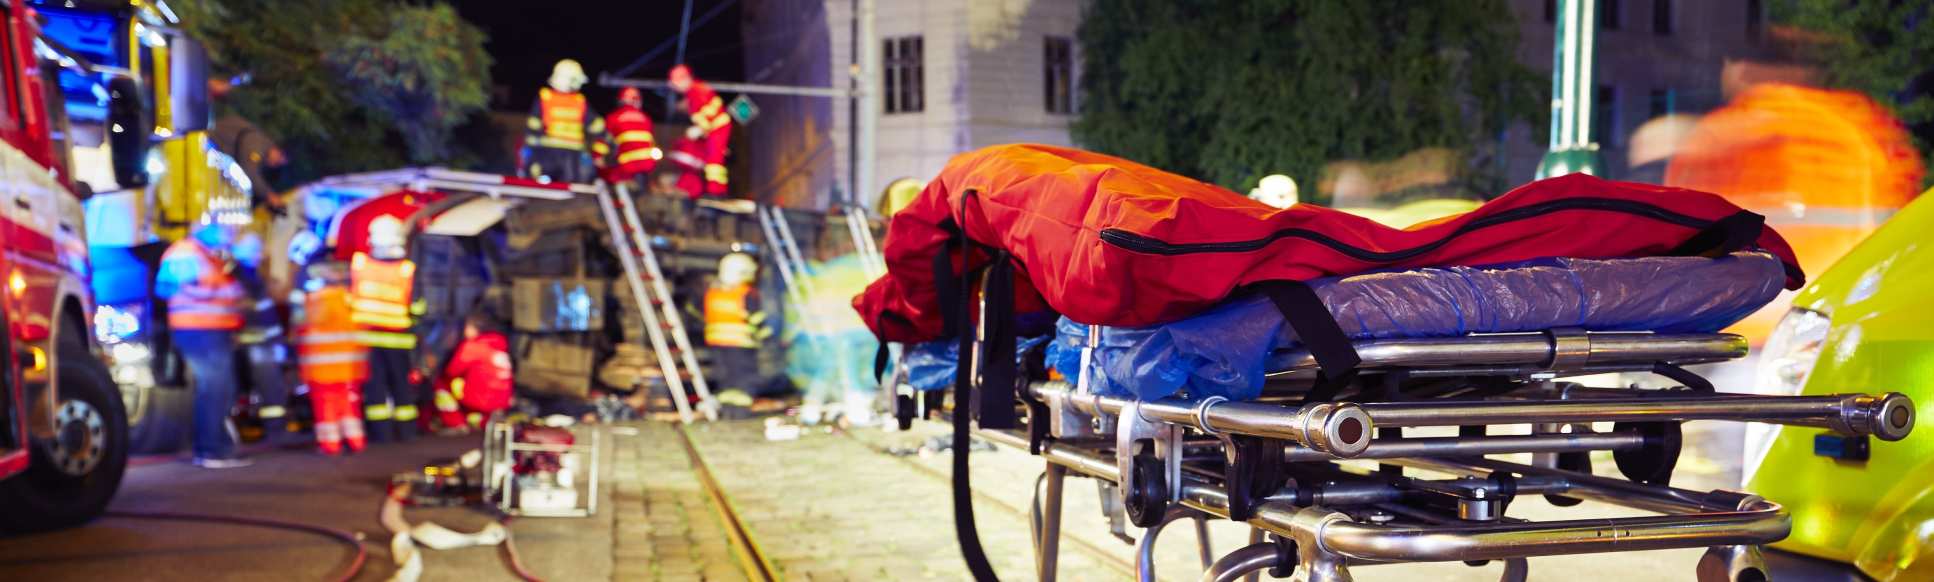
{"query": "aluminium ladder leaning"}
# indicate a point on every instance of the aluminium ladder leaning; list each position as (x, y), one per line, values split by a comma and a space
(799, 285)
(633, 246)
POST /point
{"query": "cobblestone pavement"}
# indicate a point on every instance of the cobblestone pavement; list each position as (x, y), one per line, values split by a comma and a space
(666, 525)
(831, 506)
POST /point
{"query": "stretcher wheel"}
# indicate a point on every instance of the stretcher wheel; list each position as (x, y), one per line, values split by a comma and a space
(1147, 490)
(1652, 463)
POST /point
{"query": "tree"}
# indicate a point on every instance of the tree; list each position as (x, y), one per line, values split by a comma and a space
(422, 74)
(345, 85)
(1883, 48)
(1232, 90)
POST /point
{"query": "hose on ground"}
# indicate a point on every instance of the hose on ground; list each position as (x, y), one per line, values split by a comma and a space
(349, 538)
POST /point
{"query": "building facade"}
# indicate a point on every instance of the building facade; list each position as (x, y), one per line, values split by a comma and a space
(956, 75)
(963, 74)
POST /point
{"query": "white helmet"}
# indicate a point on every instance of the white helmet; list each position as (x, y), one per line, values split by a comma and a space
(737, 268)
(1276, 190)
(567, 76)
(386, 237)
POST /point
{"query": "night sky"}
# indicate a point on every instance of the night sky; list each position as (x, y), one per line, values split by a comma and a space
(527, 38)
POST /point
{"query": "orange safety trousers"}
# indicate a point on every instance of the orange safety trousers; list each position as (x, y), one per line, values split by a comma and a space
(338, 417)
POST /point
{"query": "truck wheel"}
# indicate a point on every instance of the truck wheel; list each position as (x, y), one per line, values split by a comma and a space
(70, 479)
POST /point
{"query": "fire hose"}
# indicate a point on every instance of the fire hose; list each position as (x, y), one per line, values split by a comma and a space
(351, 539)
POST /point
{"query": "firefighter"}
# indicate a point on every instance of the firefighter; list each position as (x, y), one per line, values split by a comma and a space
(734, 326)
(381, 281)
(634, 151)
(709, 116)
(204, 312)
(564, 138)
(688, 157)
(332, 358)
(477, 381)
(261, 339)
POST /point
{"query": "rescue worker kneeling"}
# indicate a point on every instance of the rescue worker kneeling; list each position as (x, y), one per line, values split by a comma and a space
(477, 382)
(332, 358)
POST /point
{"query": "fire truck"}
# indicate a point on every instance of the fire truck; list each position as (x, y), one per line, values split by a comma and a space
(63, 426)
(137, 97)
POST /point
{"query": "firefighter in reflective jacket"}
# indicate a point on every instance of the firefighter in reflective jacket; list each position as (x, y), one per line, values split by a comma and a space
(734, 323)
(204, 314)
(564, 138)
(709, 116)
(634, 151)
(332, 358)
(477, 381)
(381, 282)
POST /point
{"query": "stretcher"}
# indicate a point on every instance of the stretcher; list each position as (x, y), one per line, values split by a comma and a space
(1332, 475)
(1226, 367)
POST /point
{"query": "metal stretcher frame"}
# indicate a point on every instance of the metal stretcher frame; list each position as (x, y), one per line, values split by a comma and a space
(1315, 536)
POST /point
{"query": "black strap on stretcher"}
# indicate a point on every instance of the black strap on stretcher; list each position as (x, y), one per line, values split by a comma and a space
(954, 291)
(1303, 310)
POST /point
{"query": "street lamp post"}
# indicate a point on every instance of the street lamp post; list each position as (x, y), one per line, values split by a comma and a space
(1573, 44)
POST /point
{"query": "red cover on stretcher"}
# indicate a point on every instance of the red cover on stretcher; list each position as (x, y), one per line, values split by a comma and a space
(1107, 241)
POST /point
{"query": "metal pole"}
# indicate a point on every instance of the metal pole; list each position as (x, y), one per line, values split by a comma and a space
(1048, 551)
(684, 29)
(866, 140)
(747, 88)
(1574, 41)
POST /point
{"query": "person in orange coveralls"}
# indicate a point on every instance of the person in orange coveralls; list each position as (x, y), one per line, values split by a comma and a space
(332, 359)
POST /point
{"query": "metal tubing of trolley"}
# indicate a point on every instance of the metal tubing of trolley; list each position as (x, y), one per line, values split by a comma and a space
(1243, 562)
(1489, 445)
(1888, 416)
(1755, 522)
(1521, 349)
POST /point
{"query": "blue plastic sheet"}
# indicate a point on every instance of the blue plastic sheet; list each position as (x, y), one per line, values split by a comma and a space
(1225, 350)
(931, 365)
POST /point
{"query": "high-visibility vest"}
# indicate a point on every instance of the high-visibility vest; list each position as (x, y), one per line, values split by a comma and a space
(637, 150)
(380, 300)
(329, 347)
(728, 323)
(564, 121)
(213, 300)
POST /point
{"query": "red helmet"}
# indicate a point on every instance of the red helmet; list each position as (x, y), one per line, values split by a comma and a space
(631, 96)
(680, 78)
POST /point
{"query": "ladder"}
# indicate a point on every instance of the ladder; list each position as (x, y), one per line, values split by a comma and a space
(858, 225)
(799, 285)
(654, 300)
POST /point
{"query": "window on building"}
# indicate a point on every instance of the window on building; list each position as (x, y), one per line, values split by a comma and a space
(1605, 116)
(1057, 74)
(1610, 14)
(1662, 102)
(905, 88)
(1662, 17)
(1551, 10)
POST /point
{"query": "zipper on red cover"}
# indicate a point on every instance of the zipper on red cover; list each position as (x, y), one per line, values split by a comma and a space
(1141, 243)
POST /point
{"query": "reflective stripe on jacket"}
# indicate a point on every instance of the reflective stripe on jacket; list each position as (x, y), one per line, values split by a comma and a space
(212, 299)
(729, 322)
(380, 291)
(329, 349)
(637, 150)
(564, 121)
